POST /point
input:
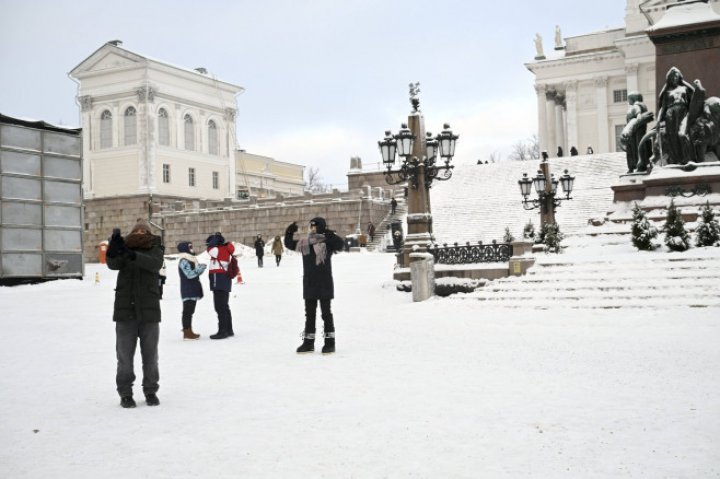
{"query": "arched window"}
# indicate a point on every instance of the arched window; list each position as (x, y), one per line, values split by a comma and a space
(130, 126)
(212, 138)
(106, 129)
(189, 133)
(163, 127)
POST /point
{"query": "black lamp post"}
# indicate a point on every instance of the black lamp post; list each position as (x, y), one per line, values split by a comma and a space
(547, 199)
(418, 166)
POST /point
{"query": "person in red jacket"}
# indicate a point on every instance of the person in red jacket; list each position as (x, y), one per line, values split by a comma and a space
(220, 283)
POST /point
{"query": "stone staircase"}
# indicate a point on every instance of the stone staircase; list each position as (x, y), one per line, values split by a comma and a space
(630, 280)
(380, 242)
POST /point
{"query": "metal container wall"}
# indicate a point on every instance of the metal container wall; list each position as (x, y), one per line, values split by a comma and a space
(41, 222)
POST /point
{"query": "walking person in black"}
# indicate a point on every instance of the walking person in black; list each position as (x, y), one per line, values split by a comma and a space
(393, 206)
(137, 259)
(317, 249)
(259, 250)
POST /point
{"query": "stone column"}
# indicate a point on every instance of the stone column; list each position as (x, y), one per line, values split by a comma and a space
(422, 275)
(232, 172)
(571, 114)
(542, 116)
(86, 102)
(551, 146)
(559, 124)
(146, 140)
(631, 73)
(603, 128)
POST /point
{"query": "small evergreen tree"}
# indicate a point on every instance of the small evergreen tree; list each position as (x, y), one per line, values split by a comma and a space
(708, 231)
(529, 231)
(552, 237)
(643, 232)
(508, 237)
(676, 237)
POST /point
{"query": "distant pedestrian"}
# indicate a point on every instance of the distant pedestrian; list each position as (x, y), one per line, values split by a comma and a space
(559, 152)
(544, 155)
(137, 259)
(220, 283)
(317, 249)
(277, 249)
(589, 150)
(371, 230)
(573, 151)
(259, 250)
(191, 290)
(393, 206)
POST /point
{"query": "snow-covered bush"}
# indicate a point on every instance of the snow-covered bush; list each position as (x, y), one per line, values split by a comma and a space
(708, 230)
(508, 237)
(552, 237)
(529, 231)
(643, 232)
(676, 237)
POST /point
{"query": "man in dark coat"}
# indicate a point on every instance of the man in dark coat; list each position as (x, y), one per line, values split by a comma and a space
(317, 250)
(220, 253)
(259, 250)
(137, 258)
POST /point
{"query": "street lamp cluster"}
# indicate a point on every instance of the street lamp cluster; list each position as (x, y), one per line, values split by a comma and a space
(545, 190)
(412, 168)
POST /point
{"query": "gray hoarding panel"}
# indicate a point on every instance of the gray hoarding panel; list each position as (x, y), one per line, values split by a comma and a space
(62, 144)
(16, 213)
(66, 168)
(21, 265)
(21, 239)
(68, 216)
(19, 137)
(56, 191)
(19, 163)
(63, 265)
(62, 240)
(21, 188)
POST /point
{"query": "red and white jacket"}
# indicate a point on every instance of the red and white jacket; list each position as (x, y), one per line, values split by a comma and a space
(219, 260)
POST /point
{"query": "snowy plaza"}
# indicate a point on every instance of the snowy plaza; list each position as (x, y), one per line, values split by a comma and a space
(445, 388)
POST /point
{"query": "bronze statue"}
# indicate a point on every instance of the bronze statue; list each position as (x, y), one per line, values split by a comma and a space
(687, 128)
(637, 119)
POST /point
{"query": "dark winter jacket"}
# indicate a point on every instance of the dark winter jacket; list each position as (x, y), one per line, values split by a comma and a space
(259, 247)
(317, 278)
(137, 294)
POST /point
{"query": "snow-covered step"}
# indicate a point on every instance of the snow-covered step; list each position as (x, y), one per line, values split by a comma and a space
(597, 285)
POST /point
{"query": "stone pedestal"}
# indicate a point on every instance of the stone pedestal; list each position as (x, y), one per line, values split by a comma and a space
(422, 275)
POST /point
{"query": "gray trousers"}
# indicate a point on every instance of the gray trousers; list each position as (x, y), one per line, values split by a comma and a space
(126, 335)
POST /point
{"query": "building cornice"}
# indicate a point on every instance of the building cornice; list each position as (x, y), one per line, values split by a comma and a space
(574, 60)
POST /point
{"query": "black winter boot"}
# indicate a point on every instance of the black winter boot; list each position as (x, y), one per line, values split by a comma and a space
(127, 402)
(329, 346)
(220, 335)
(308, 345)
(151, 399)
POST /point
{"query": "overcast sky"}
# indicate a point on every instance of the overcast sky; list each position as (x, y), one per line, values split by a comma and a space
(324, 78)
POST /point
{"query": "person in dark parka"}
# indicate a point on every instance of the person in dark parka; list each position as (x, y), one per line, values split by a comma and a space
(220, 253)
(189, 269)
(137, 258)
(259, 250)
(317, 250)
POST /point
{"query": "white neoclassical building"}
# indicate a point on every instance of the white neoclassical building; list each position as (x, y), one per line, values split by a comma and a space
(153, 128)
(582, 81)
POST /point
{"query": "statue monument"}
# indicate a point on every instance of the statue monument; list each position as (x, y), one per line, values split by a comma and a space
(687, 128)
(637, 119)
(539, 54)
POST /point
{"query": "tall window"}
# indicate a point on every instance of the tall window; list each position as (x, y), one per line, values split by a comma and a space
(216, 180)
(130, 126)
(166, 173)
(191, 176)
(189, 133)
(212, 138)
(106, 129)
(163, 127)
(619, 96)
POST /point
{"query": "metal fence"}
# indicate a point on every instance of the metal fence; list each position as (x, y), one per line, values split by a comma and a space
(470, 253)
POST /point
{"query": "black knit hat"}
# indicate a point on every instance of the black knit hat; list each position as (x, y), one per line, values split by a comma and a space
(319, 223)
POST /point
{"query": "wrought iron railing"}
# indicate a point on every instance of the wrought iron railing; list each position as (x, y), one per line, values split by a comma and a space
(470, 253)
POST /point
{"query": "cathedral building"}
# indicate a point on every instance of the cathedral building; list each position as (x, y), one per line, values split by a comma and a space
(582, 82)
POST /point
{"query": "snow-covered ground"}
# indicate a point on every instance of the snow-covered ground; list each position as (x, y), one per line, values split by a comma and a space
(440, 389)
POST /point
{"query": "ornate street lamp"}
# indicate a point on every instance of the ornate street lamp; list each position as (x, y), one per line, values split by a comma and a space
(546, 190)
(417, 153)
